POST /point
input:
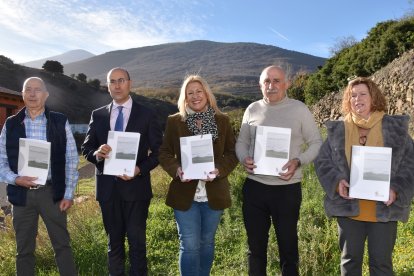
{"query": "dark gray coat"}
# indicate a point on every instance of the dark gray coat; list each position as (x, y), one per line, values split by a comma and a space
(331, 166)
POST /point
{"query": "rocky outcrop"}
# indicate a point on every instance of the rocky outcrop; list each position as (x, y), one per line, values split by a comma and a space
(397, 83)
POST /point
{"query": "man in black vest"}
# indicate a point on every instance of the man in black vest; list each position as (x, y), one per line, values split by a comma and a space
(50, 201)
(124, 200)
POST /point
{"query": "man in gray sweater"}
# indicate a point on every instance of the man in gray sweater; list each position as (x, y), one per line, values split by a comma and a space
(275, 199)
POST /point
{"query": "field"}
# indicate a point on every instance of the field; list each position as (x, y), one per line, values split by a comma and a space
(317, 235)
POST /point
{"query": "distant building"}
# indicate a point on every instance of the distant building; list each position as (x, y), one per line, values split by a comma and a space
(10, 103)
(79, 128)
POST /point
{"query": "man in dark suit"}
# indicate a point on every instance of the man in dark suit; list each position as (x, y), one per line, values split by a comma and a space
(124, 200)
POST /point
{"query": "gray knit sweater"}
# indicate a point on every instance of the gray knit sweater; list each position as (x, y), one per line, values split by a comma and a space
(288, 113)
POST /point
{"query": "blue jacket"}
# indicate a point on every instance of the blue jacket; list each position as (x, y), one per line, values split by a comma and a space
(331, 166)
(56, 134)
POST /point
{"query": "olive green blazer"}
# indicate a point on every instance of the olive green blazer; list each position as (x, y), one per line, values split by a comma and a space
(181, 194)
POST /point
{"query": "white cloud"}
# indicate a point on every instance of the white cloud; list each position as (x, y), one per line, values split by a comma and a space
(96, 26)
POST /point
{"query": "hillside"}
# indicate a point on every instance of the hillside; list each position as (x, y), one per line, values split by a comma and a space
(228, 67)
(69, 96)
(385, 42)
(396, 81)
(68, 57)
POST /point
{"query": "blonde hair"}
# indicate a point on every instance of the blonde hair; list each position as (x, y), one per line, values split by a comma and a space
(378, 102)
(182, 104)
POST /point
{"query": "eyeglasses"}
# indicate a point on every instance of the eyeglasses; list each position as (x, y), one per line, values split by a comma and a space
(118, 81)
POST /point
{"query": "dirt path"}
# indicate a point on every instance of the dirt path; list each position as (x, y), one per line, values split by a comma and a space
(87, 171)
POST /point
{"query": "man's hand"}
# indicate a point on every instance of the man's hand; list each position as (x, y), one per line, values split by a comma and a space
(127, 177)
(248, 164)
(103, 151)
(25, 181)
(65, 204)
(291, 167)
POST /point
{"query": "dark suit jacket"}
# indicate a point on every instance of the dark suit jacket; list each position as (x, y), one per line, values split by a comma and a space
(142, 120)
(181, 194)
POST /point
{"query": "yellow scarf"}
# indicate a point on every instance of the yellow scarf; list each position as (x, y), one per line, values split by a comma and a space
(374, 124)
(367, 208)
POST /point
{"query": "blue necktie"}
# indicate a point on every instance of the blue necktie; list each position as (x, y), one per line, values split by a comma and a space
(119, 123)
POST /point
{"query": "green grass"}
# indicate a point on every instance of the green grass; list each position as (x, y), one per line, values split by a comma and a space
(82, 161)
(318, 244)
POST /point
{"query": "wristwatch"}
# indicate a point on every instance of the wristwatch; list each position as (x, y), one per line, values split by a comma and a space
(299, 163)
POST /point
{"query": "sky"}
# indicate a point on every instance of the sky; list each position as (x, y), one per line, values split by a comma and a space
(35, 29)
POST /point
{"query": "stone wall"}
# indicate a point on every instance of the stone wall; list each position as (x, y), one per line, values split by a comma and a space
(396, 80)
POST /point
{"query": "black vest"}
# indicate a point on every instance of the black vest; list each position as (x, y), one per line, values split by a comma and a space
(56, 134)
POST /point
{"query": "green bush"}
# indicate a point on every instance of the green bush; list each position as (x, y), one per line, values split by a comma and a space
(385, 42)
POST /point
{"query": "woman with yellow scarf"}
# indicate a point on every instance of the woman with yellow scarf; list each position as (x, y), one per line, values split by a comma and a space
(366, 124)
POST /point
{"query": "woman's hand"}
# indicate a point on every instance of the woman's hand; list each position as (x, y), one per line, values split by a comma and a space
(343, 189)
(216, 174)
(180, 174)
(392, 198)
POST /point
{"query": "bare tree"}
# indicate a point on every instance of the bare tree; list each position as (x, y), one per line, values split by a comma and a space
(342, 43)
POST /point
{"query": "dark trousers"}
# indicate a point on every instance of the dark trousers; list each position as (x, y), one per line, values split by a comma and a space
(25, 222)
(381, 238)
(125, 219)
(266, 204)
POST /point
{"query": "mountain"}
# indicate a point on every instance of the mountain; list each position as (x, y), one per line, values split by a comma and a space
(69, 96)
(68, 57)
(230, 67)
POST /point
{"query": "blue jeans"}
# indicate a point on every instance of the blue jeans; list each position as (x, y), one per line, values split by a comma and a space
(196, 230)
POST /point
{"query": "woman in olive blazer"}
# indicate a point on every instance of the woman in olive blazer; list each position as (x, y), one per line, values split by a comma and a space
(198, 203)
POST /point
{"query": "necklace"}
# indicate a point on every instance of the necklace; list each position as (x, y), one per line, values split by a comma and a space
(362, 140)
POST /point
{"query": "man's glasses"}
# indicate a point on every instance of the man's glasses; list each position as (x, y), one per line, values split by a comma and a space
(118, 81)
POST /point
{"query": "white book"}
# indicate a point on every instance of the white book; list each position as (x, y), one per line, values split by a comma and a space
(370, 173)
(123, 157)
(34, 159)
(271, 149)
(197, 156)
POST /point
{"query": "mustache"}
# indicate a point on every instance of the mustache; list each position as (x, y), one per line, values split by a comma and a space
(272, 91)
